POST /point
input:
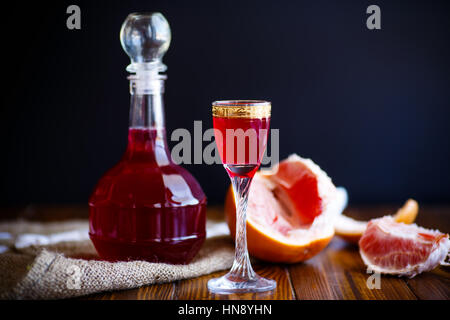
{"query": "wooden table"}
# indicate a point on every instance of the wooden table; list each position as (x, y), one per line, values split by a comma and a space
(336, 273)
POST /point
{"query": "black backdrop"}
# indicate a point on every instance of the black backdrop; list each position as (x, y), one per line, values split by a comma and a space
(370, 107)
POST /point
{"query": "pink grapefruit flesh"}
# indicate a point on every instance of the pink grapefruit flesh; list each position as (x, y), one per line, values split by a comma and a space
(291, 211)
(390, 247)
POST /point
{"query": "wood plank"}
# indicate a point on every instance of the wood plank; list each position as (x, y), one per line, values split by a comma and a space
(46, 213)
(339, 273)
(434, 217)
(196, 289)
(336, 273)
(433, 285)
(318, 279)
(11, 213)
(153, 292)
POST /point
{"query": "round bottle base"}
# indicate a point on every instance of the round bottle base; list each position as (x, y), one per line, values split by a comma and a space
(171, 252)
(228, 284)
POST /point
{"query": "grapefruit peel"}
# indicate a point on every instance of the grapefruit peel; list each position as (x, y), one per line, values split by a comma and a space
(351, 229)
(277, 232)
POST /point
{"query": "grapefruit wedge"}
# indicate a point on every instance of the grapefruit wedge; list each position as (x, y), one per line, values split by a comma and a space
(352, 230)
(390, 247)
(291, 211)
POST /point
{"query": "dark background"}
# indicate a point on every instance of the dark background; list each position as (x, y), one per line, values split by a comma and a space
(370, 107)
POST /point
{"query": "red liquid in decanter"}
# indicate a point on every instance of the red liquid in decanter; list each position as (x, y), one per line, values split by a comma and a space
(146, 207)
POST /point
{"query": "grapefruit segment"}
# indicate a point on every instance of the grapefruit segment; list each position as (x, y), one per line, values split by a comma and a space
(390, 247)
(408, 213)
(279, 227)
(352, 230)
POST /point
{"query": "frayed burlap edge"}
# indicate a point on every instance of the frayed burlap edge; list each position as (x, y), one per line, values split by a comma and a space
(55, 276)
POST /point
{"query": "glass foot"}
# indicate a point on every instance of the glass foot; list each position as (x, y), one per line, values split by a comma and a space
(229, 284)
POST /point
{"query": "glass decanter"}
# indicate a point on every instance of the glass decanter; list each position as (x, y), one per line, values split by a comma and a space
(146, 207)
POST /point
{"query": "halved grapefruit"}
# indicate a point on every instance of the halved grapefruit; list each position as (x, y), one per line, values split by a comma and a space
(387, 246)
(352, 230)
(291, 211)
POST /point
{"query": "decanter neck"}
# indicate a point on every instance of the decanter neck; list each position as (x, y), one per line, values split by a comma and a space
(147, 135)
(146, 107)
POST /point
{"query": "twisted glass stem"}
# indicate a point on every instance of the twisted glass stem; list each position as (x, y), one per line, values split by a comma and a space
(241, 269)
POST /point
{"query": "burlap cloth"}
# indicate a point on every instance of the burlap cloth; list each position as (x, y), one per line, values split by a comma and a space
(57, 260)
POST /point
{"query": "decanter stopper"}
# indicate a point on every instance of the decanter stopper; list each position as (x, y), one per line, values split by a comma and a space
(145, 37)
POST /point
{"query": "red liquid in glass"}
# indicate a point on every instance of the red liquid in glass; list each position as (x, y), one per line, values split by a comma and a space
(146, 207)
(243, 157)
